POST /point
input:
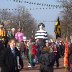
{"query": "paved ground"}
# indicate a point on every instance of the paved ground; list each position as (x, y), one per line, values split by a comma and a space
(36, 69)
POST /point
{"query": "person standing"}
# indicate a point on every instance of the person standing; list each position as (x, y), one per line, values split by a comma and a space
(70, 57)
(19, 35)
(56, 54)
(11, 33)
(1, 51)
(10, 59)
(46, 62)
(2, 33)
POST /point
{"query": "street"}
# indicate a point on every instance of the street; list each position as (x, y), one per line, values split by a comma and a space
(36, 69)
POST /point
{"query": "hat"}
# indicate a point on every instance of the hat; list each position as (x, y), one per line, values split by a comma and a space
(13, 29)
(41, 24)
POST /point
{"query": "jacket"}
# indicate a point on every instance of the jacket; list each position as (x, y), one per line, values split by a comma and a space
(8, 62)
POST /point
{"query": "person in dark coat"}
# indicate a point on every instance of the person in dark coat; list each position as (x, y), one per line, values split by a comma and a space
(1, 46)
(1, 50)
(56, 54)
(46, 60)
(10, 59)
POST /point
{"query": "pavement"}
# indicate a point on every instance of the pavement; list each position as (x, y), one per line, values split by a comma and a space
(36, 69)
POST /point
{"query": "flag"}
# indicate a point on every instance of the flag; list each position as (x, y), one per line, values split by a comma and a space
(66, 53)
(57, 28)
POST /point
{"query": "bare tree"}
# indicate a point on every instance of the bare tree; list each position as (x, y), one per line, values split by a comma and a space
(20, 17)
(25, 20)
(5, 15)
(66, 22)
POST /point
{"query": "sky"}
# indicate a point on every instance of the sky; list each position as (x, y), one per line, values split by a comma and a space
(47, 16)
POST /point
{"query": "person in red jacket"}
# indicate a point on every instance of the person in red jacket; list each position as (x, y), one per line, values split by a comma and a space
(34, 53)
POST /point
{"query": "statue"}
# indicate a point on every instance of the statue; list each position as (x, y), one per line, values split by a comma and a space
(41, 33)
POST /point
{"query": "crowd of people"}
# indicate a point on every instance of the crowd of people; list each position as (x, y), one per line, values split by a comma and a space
(14, 49)
(10, 54)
